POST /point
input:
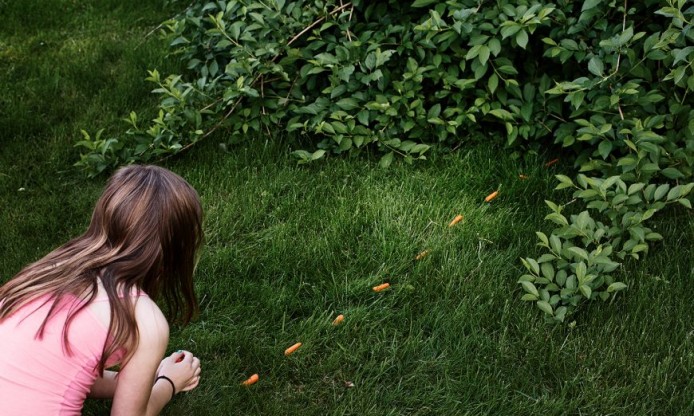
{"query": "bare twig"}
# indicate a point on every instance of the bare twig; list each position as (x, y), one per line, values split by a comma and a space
(558, 118)
(289, 92)
(262, 94)
(545, 126)
(624, 27)
(226, 116)
(351, 11)
(392, 149)
(457, 146)
(271, 80)
(624, 17)
(162, 25)
(212, 104)
(315, 23)
(619, 55)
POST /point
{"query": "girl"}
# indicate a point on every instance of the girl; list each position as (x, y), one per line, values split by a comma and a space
(90, 304)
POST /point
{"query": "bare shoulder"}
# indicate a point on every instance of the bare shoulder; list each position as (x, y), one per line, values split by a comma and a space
(153, 332)
(151, 322)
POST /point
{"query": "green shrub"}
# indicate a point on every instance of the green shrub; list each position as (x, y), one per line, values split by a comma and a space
(632, 128)
(608, 81)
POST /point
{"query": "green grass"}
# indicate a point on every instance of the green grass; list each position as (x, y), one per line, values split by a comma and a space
(288, 248)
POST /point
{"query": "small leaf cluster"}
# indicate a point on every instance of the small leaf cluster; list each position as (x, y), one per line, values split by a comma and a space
(582, 252)
(178, 122)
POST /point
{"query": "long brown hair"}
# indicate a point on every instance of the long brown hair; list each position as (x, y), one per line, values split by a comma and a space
(144, 235)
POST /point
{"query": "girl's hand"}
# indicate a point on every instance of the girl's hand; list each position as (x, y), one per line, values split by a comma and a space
(183, 368)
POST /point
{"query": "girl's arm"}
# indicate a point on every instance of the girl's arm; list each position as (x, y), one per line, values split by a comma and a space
(104, 387)
(136, 389)
(135, 393)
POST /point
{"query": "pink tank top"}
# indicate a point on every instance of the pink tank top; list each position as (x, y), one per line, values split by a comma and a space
(38, 377)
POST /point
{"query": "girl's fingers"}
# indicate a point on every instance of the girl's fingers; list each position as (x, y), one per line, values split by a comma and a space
(193, 384)
(182, 356)
(188, 357)
(178, 356)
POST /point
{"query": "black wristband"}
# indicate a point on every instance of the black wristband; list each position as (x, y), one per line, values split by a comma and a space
(173, 386)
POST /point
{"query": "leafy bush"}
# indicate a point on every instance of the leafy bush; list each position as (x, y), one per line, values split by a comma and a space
(349, 74)
(632, 128)
(608, 81)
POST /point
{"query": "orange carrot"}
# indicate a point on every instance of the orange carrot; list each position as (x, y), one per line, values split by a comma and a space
(290, 350)
(381, 287)
(456, 220)
(338, 320)
(422, 255)
(523, 177)
(551, 162)
(251, 380)
(491, 196)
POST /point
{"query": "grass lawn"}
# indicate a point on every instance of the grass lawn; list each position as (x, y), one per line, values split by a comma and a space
(289, 247)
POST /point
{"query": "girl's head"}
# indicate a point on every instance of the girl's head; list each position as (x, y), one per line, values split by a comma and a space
(148, 224)
(144, 235)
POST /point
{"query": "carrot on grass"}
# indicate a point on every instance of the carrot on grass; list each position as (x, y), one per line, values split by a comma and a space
(290, 350)
(491, 196)
(456, 220)
(422, 255)
(251, 380)
(338, 320)
(381, 287)
(551, 162)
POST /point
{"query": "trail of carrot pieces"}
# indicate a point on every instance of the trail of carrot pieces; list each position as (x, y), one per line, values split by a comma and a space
(422, 255)
(338, 320)
(551, 162)
(251, 380)
(456, 220)
(522, 177)
(491, 196)
(289, 351)
(381, 287)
